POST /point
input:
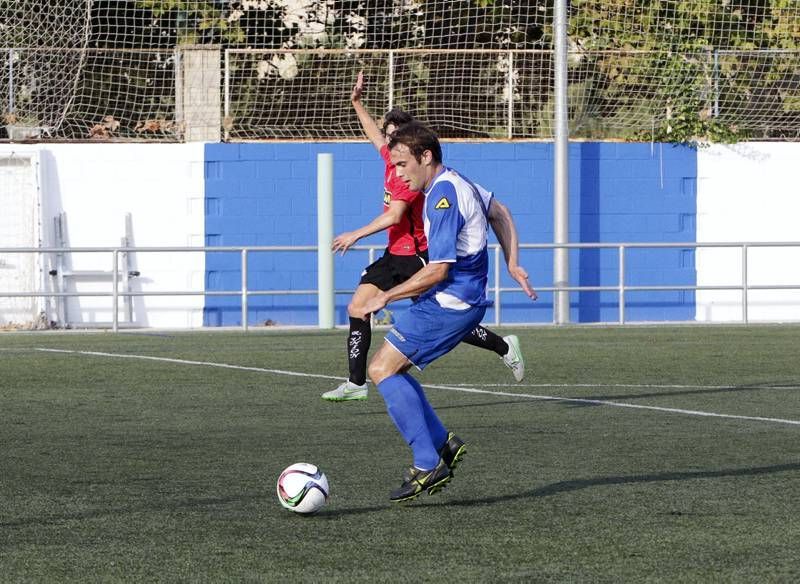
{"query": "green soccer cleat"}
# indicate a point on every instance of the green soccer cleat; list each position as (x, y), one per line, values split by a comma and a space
(347, 391)
(416, 481)
(513, 359)
(453, 451)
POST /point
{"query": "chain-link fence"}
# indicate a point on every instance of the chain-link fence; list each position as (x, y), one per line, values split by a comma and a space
(474, 69)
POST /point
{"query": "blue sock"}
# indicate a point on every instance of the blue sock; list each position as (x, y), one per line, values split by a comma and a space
(435, 427)
(408, 414)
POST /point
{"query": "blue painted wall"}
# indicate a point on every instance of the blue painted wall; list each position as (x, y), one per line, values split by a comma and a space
(265, 194)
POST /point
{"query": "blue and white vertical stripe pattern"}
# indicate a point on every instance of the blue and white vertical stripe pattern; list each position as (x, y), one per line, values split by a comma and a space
(456, 224)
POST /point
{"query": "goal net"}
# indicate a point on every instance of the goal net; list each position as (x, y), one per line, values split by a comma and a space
(43, 55)
(638, 69)
(20, 228)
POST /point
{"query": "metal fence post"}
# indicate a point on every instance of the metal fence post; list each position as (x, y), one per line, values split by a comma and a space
(244, 289)
(744, 284)
(115, 290)
(497, 286)
(11, 81)
(226, 98)
(391, 80)
(716, 83)
(561, 303)
(621, 284)
(179, 89)
(325, 293)
(510, 94)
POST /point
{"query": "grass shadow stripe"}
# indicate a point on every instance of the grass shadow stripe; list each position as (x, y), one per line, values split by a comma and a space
(579, 484)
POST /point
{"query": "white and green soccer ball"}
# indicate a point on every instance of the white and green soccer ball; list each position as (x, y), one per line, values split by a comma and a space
(303, 488)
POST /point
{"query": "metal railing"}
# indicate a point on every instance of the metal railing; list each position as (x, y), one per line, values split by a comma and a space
(496, 290)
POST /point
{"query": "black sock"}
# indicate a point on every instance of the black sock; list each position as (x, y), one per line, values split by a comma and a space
(358, 342)
(486, 339)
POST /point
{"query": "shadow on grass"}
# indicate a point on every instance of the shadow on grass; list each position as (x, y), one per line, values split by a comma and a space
(333, 513)
(580, 484)
(731, 389)
(486, 404)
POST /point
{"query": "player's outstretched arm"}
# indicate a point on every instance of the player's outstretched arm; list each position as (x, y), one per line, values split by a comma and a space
(392, 216)
(369, 125)
(503, 226)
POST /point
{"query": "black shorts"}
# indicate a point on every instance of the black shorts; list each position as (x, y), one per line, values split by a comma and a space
(390, 270)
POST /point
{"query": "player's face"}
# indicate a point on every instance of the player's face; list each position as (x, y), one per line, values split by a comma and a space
(412, 172)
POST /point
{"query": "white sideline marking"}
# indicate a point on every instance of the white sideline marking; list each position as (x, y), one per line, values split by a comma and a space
(186, 362)
(454, 387)
(601, 402)
(621, 385)
(591, 385)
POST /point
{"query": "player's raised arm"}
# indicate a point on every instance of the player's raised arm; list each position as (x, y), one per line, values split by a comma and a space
(369, 125)
(503, 226)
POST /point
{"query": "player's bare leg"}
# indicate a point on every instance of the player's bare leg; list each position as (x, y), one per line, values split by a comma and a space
(358, 343)
(387, 361)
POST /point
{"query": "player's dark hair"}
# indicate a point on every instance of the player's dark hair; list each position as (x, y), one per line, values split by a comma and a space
(397, 117)
(418, 138)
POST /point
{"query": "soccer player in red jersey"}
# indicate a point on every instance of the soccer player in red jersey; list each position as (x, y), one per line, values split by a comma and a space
(406, 254)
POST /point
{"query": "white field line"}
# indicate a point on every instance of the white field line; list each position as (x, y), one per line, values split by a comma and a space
(600, 402)
(186, 362)
(621, 385)
(459, 388)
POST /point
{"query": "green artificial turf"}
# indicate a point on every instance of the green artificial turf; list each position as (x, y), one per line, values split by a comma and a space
(117, 469)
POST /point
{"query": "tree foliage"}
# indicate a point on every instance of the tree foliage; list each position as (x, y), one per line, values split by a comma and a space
(661, 57)
(679, 74)
(688, 67)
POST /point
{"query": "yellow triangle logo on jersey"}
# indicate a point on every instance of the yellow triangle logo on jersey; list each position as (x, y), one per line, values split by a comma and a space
(442, 204)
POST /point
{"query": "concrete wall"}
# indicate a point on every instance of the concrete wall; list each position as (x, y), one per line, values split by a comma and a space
(265, 194)
(96, 185)
(749, 192)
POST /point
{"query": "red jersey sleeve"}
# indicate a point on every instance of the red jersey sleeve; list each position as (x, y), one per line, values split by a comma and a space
(387, 158)
(392, 184)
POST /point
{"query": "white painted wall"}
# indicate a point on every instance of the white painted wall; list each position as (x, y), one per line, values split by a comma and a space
(162, 187)
(749, 192)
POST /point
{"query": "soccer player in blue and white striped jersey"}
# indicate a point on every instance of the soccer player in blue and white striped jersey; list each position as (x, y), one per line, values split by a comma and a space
(452, 300)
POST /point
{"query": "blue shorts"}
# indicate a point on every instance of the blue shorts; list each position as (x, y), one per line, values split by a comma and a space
(426, 331)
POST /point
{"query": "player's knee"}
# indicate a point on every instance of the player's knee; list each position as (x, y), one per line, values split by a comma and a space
(352, 310)
(378, 370)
